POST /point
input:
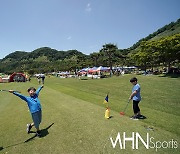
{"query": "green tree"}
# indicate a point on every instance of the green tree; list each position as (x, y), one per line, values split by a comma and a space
(109, 51)
(94, 57)
(168, 49)
(164, 51)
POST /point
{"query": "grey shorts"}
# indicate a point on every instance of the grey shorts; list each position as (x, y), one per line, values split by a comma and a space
(37, 116)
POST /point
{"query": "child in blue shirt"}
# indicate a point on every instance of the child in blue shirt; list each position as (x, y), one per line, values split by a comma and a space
(34, 106)
(136, 97)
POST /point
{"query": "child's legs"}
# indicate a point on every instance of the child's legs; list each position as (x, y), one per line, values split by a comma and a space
(136, 108)
(37, 116)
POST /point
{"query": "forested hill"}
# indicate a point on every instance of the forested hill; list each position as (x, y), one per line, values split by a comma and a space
(167, 30)
(47, 53)
(42, 59)
(46, 59)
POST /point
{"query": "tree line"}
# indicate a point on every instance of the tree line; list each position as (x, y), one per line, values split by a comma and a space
(153, 53)
(161, 48)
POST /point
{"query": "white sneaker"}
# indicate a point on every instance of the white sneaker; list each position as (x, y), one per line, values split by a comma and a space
(134, 118)
(28, 128)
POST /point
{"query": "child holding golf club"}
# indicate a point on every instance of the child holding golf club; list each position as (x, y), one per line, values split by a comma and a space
(34, 105)
(136, 97)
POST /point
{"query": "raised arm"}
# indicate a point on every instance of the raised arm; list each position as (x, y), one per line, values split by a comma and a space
(39, 89)
(19, 95)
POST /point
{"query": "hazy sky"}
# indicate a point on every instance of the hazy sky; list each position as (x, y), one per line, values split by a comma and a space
(85, 25)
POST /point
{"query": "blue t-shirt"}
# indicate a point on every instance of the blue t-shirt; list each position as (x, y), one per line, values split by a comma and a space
(137, 88)
(32, 101)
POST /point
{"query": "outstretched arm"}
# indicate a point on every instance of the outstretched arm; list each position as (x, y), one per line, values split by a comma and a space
(19, 95)
(39, 89)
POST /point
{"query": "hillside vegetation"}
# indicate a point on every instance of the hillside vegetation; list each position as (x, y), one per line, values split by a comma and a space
(46, 59)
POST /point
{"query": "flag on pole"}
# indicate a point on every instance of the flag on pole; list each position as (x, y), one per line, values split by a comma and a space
(106, 100)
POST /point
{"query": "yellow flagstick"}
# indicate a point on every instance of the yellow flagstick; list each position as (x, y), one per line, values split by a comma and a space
(107, 112)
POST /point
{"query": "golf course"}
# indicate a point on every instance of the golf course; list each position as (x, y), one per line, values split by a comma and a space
(73, 116)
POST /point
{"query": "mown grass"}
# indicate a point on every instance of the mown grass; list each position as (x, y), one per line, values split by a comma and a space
(76, 108)
(160, 96)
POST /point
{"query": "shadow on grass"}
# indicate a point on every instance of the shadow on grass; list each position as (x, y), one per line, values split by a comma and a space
(110, 117)
(44, 132)
(84, 79)
(1, 148)
(142, 117)
(170, 75)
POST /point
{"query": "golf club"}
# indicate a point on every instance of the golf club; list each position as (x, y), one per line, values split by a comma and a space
(8, 90)
(123, 112)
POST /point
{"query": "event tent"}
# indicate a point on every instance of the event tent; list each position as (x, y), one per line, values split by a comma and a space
(17, 77)
(1, 80)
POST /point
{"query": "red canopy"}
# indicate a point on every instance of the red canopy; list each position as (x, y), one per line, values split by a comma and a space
(19, 77)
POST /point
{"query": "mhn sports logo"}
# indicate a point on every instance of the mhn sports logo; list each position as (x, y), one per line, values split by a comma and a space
(149, 142)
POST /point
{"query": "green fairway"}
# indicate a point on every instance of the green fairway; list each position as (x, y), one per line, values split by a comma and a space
(73, 115)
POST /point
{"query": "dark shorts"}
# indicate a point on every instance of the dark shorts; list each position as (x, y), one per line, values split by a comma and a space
(37, 117)
(136, 108)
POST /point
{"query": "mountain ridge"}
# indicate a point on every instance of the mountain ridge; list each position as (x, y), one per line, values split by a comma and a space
(51, 59)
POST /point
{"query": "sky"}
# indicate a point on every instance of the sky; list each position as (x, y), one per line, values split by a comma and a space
(84, 25)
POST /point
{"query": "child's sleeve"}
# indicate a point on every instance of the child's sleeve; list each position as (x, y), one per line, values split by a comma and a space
(21, 96)
(38, 90)
(137, 88)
